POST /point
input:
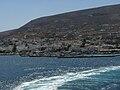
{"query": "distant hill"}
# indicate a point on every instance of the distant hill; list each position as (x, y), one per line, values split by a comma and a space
(95, 21)
(96, 29)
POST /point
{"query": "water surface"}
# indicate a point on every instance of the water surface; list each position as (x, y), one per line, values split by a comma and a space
(44, 73)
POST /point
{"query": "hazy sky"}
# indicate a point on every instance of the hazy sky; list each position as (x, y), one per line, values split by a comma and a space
(15, 13)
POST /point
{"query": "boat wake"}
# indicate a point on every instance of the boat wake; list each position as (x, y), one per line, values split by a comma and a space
(52, 83)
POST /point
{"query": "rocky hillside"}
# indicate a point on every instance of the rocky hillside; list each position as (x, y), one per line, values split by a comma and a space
(96, 27)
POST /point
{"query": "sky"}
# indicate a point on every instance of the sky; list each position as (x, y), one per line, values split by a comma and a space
(16, 13)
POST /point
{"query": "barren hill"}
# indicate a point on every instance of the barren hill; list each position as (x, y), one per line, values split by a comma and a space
(97, 26)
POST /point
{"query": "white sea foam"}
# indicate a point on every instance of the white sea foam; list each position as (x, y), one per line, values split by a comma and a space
(52, 83)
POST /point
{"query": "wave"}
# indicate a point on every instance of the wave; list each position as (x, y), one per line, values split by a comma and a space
(52, 83)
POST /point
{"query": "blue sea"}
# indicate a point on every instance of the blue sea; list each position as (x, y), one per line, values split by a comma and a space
(51, 73)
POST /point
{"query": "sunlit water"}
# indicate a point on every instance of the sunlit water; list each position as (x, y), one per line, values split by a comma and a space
(43, 73)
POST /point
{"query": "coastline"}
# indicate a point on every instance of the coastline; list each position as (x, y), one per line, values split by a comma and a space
(62, 56)
(89, 56)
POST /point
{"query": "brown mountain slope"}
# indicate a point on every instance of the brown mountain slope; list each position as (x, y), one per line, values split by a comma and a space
(90, 21)
(93, 28)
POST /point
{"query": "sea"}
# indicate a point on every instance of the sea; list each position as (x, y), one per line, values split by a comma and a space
(52, 73)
